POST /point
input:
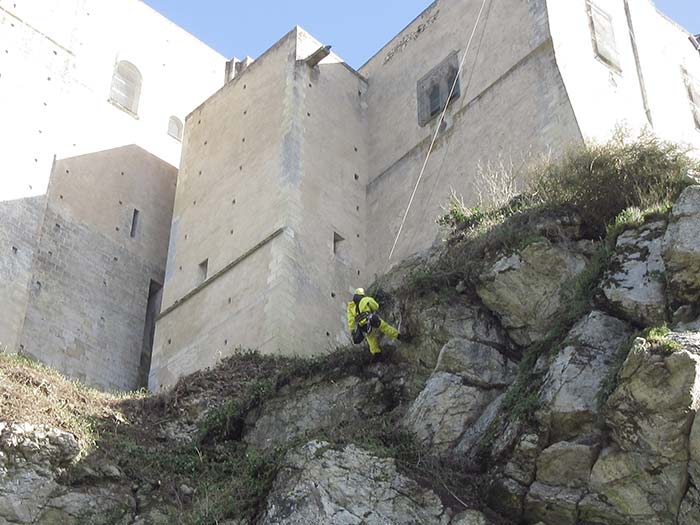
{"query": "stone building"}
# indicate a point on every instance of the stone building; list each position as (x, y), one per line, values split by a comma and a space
(103, 86)
(296, 174)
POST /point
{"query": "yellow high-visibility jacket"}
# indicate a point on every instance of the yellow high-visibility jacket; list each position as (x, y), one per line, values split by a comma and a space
(367, 305)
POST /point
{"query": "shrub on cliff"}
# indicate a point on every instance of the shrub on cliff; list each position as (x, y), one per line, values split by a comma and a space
(599, 181)
(596, 181)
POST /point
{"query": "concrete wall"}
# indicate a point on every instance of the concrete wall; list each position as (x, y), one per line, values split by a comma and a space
(604, 98)
(229, 201)
(513, 105)
(19, 225)
(328, 198)
(89, 290)
(56, 63)
(274, 282)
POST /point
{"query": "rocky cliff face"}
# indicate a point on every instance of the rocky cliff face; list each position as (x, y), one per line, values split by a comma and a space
(545, 391)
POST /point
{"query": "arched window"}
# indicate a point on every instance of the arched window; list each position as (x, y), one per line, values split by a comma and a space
(175, 128)
(126, 87)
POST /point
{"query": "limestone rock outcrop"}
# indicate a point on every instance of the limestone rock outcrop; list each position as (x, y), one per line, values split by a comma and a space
(468, 378)
(681, 249)
(31, 461)
(524, 289)
(576, 373)
(436, 324)
(320, 405)
(635, 285)
(653, 408)
(319, 484)
(566, 464)
(599, 427)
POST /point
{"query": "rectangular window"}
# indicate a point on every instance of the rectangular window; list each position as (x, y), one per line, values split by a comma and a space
(203, 269)
(435, 87)
(603, 34)
(341, 248)
(693, 87)
(134, 223)
(337, 243)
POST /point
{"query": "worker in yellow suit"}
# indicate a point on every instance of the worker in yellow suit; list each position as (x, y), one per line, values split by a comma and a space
(363, 322)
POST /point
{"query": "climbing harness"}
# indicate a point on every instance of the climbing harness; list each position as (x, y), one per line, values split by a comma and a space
(437, 132)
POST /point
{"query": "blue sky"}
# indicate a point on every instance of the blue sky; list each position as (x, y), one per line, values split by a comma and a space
(356, 30)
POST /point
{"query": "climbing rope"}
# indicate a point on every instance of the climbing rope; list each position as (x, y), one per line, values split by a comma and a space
(437, 132)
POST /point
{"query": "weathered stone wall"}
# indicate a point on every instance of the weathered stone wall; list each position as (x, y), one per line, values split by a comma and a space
(512, 105)
(328, 111)
(228, 206)
(91, 278)
(19, 225)
(57, 59)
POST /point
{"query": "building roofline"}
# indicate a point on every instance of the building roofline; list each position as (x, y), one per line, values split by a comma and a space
(333, 53)
(237, 77)
(664, 15)
(161, 15)
(431, 6)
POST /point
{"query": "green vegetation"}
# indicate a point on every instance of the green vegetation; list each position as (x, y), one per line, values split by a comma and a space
(601, 180)
(595, 191)
(612, 378)
(658, 338)
(229, 480)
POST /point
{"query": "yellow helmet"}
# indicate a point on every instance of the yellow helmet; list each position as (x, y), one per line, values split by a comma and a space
(360, 291)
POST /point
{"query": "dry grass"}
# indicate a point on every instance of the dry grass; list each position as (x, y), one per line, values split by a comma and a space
(35, 394)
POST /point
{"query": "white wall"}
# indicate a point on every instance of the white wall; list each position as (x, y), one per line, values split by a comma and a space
(56, 64)
(603, 98)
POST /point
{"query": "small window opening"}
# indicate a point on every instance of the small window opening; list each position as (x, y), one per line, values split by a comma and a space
(203, 269)
(126, 87)
(340, 247)
(175, 129)
(134, 223)
(337, 242)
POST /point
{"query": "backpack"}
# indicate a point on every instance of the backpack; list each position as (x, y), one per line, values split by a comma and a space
(358, 334)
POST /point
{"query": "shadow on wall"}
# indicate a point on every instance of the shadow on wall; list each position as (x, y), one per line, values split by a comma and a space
(84, 265)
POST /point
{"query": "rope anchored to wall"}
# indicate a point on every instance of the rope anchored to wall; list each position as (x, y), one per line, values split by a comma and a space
(437, 131)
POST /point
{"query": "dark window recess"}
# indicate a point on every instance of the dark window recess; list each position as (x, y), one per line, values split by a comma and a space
(203, 269)
(337, 242)
(155, 291)
(126, 87)
(434, 89)
(434, 100)
(175, 129)
(341, 248)
(134, 223)
(603, 34)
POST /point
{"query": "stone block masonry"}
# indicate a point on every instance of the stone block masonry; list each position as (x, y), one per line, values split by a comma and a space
(19, 225)
(98, 267)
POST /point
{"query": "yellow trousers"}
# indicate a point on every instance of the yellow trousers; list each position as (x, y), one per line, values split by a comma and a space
(372, 337)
